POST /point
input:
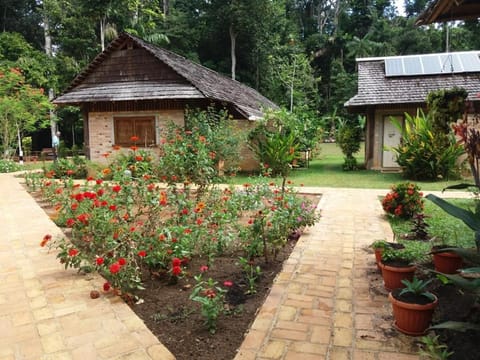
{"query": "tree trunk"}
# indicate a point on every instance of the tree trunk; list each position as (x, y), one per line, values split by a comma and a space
(103, 21)
(233, 40)
(166, 7)
(49, 52)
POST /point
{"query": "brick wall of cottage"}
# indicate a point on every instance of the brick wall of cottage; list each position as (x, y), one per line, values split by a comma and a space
(101, 129)
(101, 133)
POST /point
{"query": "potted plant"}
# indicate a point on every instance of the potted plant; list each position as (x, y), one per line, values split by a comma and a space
(413, 306)
(444, 260)
(379, 247)
(397, 265)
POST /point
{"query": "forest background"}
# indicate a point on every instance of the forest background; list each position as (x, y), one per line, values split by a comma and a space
(299, 53)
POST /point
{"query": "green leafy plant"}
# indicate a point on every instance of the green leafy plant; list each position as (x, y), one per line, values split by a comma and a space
(348, 137)
(403, 201)
(406, 255)
(251, 272)
(432, 349)
(7, 166)
(417, 287)
(422, 154)
(211, 297)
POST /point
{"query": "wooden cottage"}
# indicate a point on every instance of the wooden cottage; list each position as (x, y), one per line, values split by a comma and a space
(389, 87)
(136, 88)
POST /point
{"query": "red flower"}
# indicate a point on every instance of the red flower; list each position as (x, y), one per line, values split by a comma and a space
(134, 138)
(79, 197)
(98, 181)
(113, 207)
(70, 172)
(176, 270)
(116, 188)
(142, 253)
(228, 283)
(72, 252)
(83, 218)
(199, 221)
(138, 158)
(45, 240)
(106, 286)
(134, 148)
(203, 268)
(185, 211)
(99, 260)
(122, 261)
(176, 262)
(115, 268)
(70, 222)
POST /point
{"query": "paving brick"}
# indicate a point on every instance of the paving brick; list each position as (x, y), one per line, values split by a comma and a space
(343, 319)
(364, 355)
(273, 350)
(52, 342)
(292, 355)
(287, 313)
(339, 353)
(253, 340)
(342, 337)
(321, 335)
(288, 334)
(308, 348)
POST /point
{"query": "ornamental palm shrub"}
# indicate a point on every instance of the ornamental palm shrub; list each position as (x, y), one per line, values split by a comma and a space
(422, 154)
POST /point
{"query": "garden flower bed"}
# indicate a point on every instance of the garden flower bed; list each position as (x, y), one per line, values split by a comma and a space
(194, 266)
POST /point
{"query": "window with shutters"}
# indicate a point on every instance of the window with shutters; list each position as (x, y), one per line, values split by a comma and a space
(127, 129)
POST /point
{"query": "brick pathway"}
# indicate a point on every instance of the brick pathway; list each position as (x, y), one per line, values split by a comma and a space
(320, 306)
(46, 312)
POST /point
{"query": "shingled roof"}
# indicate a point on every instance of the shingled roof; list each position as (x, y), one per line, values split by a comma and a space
(448, 10)
(375, 88)
(194, 81)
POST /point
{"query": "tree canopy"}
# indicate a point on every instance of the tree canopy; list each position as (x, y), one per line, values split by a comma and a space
(299, 53)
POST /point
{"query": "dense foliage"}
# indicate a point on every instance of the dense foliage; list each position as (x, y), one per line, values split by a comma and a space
(426, 154)
(301, 54)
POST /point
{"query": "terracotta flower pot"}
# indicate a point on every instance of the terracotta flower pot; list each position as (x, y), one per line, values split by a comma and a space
(447, 262)
(412, 319)
(393, 275)
(378, 256)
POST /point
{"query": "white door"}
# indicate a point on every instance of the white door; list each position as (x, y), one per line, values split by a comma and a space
(391, 138)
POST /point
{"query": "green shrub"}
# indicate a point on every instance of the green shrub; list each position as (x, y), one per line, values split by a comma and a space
(349, 139)
(403, 201)
(7, 166)
(423, 153)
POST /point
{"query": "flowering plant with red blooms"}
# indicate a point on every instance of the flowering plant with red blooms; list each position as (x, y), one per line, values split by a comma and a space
(120, 227)
(403, 201)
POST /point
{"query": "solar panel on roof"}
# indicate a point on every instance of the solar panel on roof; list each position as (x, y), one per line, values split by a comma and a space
(432, 64)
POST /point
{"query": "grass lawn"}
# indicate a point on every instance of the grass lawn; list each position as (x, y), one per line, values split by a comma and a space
(445, 228)
(326, 171)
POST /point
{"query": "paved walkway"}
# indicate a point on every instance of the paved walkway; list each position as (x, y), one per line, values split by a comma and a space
(46, 312)
(320, 306)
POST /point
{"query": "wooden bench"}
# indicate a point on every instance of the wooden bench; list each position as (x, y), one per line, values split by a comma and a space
(48, 153)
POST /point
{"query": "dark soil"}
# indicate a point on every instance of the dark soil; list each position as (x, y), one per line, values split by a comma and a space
(455, 305)
(175, 319)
